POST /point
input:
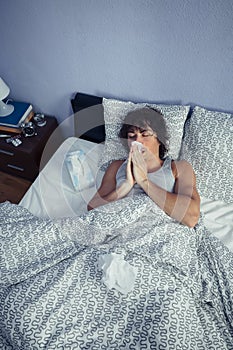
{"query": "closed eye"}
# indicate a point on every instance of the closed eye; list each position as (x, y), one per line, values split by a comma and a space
(131, 136)
(146, 134)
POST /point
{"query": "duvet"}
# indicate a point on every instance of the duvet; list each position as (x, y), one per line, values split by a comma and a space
(53, 296)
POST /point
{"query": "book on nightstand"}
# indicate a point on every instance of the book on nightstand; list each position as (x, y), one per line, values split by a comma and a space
(22, 113)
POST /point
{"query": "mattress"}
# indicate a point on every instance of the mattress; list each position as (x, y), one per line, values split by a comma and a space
(52, 195)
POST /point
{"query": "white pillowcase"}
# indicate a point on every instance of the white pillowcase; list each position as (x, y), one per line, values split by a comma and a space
(208, 146)
(114, 114)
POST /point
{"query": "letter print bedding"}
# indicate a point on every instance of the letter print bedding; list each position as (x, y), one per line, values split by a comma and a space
(53, 294)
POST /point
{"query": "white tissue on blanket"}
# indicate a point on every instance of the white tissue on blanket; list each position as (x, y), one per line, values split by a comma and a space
(117, 273)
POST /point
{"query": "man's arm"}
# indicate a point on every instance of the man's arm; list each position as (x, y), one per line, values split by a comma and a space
(108, 191)
(184, 203)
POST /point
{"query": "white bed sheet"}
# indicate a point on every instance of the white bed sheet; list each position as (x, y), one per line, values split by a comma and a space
(218, 218)
(52, 194)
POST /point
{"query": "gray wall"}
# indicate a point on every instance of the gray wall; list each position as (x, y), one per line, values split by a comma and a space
(153, 50)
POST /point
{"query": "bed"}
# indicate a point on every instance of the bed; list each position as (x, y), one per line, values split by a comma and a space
(124, 275)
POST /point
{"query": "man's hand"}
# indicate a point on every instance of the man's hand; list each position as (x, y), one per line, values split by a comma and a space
(139, 165)
(129, 171)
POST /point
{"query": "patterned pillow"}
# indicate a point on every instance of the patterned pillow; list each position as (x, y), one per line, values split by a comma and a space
(114, 113)
(208, 146)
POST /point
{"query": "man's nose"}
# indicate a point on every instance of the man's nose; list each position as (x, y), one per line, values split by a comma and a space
(139, 138)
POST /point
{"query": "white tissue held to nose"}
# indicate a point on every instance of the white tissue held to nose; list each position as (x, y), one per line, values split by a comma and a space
(139, 144)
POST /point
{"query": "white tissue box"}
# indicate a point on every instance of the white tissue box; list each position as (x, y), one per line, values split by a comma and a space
(79, 170)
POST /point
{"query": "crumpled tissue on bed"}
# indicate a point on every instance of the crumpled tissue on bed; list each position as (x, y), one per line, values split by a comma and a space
(117, 273)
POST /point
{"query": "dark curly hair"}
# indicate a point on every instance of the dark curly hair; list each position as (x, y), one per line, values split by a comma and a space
(142, 118)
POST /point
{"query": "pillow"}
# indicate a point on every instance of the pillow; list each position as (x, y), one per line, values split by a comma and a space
(114, 114)
(208, 146)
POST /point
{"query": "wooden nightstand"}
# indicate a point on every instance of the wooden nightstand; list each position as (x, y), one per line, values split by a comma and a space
(24, 160)
(12, 188)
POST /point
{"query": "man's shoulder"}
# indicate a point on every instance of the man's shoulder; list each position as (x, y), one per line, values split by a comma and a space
(115, 165)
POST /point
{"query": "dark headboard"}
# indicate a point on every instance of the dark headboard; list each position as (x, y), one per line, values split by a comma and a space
(88, 117)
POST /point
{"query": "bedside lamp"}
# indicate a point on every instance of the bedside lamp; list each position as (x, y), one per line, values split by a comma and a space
(5, 109)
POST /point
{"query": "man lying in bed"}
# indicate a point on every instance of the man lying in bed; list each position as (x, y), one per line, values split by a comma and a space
(170, 184)
(169, 287)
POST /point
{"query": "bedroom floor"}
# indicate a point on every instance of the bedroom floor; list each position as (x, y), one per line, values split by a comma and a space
(12, 188)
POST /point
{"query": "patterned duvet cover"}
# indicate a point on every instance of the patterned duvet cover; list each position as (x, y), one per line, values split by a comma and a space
(52, 294)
